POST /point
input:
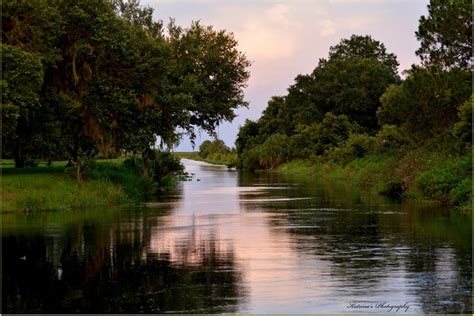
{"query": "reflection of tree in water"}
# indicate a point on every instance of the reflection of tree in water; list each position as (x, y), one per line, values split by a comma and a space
(369, 239)
(108, 269)
(352, 242)
(439, 262)
(330, 226)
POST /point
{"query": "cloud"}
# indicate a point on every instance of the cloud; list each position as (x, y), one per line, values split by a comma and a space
(327, 28)
(361, 2)
(261, 42)
(278, 37)
(264, 32)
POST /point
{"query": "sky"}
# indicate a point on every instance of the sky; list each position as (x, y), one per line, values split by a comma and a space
(285, 38)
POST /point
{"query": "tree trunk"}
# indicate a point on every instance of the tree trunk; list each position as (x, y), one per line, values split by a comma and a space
(18, 156)
(78, 171)
(50, 160)
(145, 165)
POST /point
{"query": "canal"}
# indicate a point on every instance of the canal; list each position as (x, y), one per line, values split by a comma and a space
(236, 242)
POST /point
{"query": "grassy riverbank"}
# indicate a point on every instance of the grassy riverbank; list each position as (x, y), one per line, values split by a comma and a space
(227, 159)
(106, 182)
(52, 192)
(419, 175)
(50, 188)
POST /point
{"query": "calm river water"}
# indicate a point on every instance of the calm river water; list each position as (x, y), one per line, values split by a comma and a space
(234, 242)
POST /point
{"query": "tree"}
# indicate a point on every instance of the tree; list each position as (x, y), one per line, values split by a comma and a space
(273, 117)
(34, 26)
(274, 151)
(300, 107)
(353, 88)
(194, 79)
(208, 148)
(318, 138)
(111, 80)
(350, 81)
(30, 30)
(205, 148)
(343, 90)
(463, 127)
(353, 78)
(22, 79)
(362, 47)
(208, 77)
(248, 136)
(425, 104)
(445, 34)
(145, 115)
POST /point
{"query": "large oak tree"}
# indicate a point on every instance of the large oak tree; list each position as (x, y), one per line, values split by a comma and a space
(111, 79)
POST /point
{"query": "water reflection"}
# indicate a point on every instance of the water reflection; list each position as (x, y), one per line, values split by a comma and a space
(235, 242)
(118, 266)
(378, 249)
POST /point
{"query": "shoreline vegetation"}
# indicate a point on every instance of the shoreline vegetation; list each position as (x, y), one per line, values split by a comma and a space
(357, 118)
(434, 177)
(43, 188)
(442, 182)
(104, 182)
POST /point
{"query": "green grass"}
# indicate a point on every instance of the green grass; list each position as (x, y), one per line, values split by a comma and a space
(53, 192)
(298, 167)
(129, 178)
(53, 188)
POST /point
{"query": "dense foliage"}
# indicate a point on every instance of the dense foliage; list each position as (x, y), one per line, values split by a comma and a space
(446, 34)
(101, 77)
(354, 106)
(339, 97)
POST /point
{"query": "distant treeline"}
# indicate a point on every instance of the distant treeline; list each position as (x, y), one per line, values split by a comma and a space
(354, 102)
(101, 77)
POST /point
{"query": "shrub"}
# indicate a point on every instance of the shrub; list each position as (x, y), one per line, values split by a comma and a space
(89, 168)
(360, 144)
(205, 148)
(317, 139)
(128, 175)
(304, 142)
(133, 164)
(463, 128)
(228, 158)
(248, 136)
(274, 151)
(166, 163)
(390, 137)
(393, 188)
(461, 194)
(165, 168)
(446, 181)
(357, 146)
(334, 130)
(250, 159)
